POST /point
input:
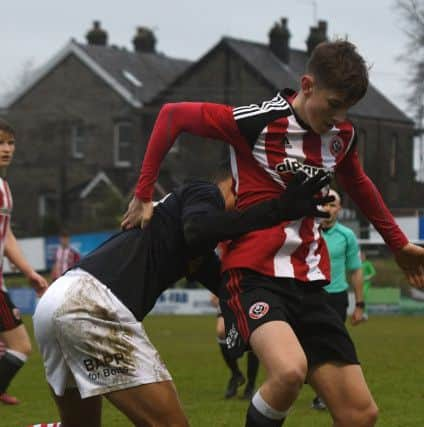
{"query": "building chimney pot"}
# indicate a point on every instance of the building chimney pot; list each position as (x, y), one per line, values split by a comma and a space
(96, 36)
(279, 37)
(316, 36)
(144, 40)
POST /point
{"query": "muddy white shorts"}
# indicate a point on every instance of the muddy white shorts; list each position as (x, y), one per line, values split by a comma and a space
(90, 340)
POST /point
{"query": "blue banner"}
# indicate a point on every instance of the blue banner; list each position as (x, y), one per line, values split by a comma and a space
(24, 298)
(421, 219)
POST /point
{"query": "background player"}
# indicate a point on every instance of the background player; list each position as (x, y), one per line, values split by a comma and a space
(272, 274)
(65, 257)
(12, 330)
(237, 378)
(87, 326)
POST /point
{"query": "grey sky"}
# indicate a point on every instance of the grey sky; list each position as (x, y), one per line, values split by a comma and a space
(188, 28)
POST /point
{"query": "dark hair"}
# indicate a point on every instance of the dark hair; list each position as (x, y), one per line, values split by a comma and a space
(64, 232)
(6, 127)
(222, 172)
(337, 65)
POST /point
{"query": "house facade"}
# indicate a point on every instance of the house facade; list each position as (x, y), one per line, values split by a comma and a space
(78, 119)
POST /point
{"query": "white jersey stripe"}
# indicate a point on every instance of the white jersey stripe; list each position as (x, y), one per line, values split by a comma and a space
(234, 169)
(282, 260)
(313, 259)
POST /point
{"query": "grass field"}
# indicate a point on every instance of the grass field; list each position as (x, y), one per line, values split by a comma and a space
(391, 350)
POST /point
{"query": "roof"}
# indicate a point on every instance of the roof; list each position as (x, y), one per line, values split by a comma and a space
(136, 76)
(260, 58)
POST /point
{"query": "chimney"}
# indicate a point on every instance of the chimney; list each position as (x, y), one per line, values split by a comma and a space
(317, 35)
(279, 37)
(144, 40)
(96, 36)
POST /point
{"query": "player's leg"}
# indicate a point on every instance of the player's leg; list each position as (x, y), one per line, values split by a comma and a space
(77, 412)
(285, 365)
(252, 373)
(346, 394)
(236, 378)
(155, 404)
(255, 313)
(17, 345)
(339, 302)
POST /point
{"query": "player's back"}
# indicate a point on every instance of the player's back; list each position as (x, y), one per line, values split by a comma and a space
(139, 264)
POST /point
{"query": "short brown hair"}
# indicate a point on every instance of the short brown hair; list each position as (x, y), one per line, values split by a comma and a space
(337, 65)
(6, 127)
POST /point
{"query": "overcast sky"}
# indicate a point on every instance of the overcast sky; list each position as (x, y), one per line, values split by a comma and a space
(34, 31)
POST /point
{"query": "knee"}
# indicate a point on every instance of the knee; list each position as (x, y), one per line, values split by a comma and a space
(291, 376)
(364, 417)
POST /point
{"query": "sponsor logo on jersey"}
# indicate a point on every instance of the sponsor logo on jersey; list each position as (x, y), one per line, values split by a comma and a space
(232, 336)
(336, 145)
(258, 310)
(291, 165)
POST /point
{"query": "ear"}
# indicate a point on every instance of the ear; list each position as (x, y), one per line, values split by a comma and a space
(307, 84)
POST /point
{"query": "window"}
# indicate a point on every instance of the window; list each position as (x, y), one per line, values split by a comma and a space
(47, 204)
(393, 156)
(123, 141)
(362, 138)
(77, 140)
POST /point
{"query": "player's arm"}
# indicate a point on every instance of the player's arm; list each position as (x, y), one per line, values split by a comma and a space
(15, 255)
(204, 228)
(364, 193)
(202, 119)
(357, 283)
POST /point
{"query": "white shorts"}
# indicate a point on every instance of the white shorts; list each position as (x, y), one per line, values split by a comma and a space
(90, 340)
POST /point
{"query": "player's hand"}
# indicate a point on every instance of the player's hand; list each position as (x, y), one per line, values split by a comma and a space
(298, 200)
(357, 316)
(411, 260)
(39, 283)
(138, 214)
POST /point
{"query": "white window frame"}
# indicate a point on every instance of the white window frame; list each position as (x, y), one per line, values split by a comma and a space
(116, 142)
(76, 154)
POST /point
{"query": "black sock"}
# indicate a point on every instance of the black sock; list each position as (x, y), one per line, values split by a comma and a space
(255, 419)
(9, 367)
(231, 362)
(252, 368)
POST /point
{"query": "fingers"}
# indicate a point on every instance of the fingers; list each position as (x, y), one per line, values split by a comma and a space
(323, 200)
(320, 180)
(320, 214)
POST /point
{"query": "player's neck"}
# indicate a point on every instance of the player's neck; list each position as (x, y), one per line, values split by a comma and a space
(298, 106)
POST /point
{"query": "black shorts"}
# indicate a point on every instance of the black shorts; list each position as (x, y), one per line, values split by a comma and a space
(339, 301)
(10, 317)
(249, 299)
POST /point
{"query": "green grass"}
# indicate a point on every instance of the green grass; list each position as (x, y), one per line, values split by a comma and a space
(391, 350)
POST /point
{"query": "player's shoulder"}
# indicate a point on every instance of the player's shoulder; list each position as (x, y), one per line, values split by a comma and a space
(345, 231)
(200, 190)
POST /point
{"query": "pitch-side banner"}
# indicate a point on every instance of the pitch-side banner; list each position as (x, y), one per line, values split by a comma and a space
(184, 301)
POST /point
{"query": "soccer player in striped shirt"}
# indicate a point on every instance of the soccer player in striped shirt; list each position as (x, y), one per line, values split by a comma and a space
(272, 298)
(12, 330)
(87, 323)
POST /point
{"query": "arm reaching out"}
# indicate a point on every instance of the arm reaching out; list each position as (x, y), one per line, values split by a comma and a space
(363, 192)
(15, 255)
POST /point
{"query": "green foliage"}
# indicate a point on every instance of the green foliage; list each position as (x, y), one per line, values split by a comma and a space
(390, 349)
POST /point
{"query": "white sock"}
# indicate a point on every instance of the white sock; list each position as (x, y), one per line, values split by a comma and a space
(21, 356)
(267, 411)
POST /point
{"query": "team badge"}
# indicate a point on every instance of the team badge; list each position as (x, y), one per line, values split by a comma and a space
(258, 310)
(336, 145)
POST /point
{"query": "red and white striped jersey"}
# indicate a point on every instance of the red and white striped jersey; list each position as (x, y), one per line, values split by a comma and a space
(269, 143)
(65, 258)
(6, 206)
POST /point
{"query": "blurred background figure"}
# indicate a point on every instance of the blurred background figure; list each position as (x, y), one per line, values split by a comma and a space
(65, 257)
(368, 272)
(237, 379)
